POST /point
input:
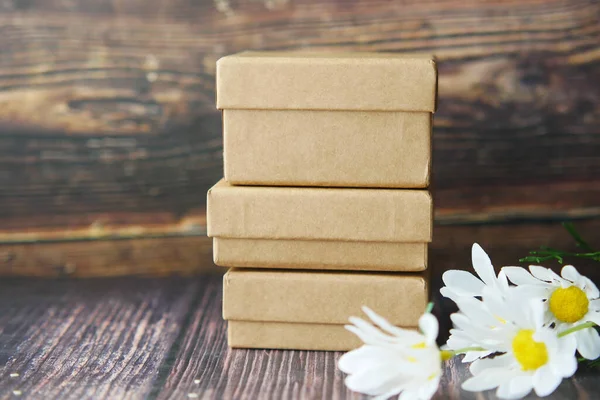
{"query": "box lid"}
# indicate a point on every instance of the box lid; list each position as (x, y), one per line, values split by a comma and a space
(372, 215)
(322, 297)
(327, 81)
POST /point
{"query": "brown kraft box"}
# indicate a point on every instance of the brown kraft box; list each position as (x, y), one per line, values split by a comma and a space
(276, 305)
(360, 215)
(327, 148)
(290, 335)
(327, 81)
(319, 254)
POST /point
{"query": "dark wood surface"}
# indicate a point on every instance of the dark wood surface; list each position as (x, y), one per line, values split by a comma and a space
(108, 128)
(163, 338)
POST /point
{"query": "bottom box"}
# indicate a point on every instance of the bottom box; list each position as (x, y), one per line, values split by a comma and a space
(318, 254)
(289, 335)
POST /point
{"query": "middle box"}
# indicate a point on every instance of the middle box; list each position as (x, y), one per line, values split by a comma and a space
(319, 228)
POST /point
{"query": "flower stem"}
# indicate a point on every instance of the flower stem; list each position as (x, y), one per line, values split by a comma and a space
(448, 354)
(466, 349)
(429, 307)
(547, 253)
(576, 328)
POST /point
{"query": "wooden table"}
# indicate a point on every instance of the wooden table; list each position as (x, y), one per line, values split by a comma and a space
(163, 338)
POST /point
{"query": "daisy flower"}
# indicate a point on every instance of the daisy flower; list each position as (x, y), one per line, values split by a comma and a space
(392, 360)
(571, 299)
(464, 284)
(534, 356)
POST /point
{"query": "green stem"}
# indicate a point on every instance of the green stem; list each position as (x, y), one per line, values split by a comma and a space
(429, 307)
(575, 235)
(576, 328)
(466, 349)
(448, 354)
(547, 253)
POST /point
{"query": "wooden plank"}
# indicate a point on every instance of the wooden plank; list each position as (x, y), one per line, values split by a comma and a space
(107, 109)
(160, 256)
(72, 339)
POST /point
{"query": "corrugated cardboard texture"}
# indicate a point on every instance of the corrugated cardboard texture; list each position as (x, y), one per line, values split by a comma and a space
(316, 254)
(373, 215)
(322, 297)
(334, 81)
(327, 148)
(292, 336)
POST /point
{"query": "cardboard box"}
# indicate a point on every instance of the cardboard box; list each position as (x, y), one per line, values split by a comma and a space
(320, 297)
(369, 215)
(327, 81)
(320, 254)
(327, 148)
(288, 335)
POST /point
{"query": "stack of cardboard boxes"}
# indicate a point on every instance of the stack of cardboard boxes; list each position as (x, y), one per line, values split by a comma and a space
(324, 207)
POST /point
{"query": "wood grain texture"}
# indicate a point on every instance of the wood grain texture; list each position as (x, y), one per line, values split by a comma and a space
(88, 339)
(156, 257)
(192, 255)
(108, 128)
(108, 108)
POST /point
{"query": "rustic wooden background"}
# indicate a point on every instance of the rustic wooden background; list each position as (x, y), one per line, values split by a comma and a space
(109, 137)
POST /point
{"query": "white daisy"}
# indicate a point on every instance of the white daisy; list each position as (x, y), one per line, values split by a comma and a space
(571, 299)
(534, 358)
(393, 361)
(464, 284)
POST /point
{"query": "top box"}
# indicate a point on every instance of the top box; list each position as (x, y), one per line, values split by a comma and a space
(327, 81)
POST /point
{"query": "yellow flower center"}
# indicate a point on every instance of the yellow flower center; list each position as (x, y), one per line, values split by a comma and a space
(418, 345)
(529, 353)
(569, 304)
(446, 355)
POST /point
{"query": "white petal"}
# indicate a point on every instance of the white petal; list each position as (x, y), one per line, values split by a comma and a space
(502, 281)
(537, 313)
(520, 276)
(521, 385)
(483, 265)
(545, 381)
(428, 324)
(484, 381)
(374, 337)
(388, 327)
(518, 387)
(488, 379)
(592, 316)
(502, 361)
(590, 288)
(449, 294)
(364, 357)
(471, 356)
(462, 283)
(378, 379)
(569, 272)
(426, 392)
(563, 361)
(392, 392)
(410, 394)
(545, 274)
(475, 310)
(541, 292)
(588, 343)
